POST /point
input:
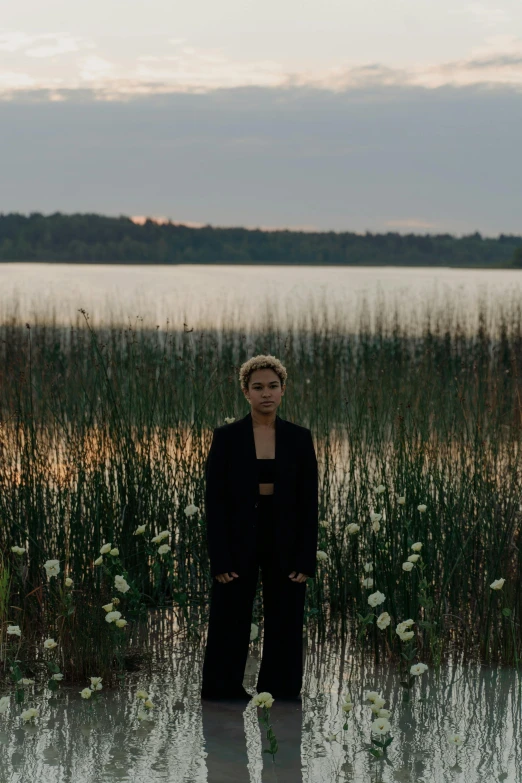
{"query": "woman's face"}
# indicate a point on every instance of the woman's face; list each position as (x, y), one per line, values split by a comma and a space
(264, 386)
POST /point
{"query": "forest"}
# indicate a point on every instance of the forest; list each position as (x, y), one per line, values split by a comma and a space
(93, 238)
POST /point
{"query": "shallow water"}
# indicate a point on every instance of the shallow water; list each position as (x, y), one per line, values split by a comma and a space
(208, 296)
(191, 741)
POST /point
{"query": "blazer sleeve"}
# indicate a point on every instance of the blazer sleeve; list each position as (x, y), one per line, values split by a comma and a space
(215, 507)
(308, 504)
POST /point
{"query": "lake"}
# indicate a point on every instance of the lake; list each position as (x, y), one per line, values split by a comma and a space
(207, 296)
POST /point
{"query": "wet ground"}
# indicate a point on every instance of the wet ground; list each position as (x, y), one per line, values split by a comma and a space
(189, 740)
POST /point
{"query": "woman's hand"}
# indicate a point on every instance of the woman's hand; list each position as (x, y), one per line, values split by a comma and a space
(224, 578)
(298, 578)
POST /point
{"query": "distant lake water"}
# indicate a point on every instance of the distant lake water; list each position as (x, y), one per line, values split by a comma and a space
(206, 296)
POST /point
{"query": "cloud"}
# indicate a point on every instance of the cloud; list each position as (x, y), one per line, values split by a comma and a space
(34, 45)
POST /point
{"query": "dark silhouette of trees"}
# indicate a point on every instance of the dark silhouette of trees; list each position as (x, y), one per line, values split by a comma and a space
(92, 238)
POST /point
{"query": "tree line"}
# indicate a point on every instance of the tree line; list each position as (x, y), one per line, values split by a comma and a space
(92, 238)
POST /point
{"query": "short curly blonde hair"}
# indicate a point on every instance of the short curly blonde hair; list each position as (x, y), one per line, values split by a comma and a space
(261, 362)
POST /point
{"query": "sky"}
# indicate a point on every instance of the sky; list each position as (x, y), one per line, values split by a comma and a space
(339, 115)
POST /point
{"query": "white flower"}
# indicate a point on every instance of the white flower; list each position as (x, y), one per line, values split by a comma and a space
(142, 715)
(4, 703)
(454, 739)
(86, 693)
(18, 550)
(229, 419)
(402, 627)
(98, 561)
(368, 567)
(142, 695)
(115, 601)
(111, 616)
(401, 500)
(105, 549)
(378, 704)
(374, 517)
(114, 552)
(497, 584)
(68, 582)
(376, 526)
(14, 630)
(376, 598)
(191, 509)
(148, 704)
(418, 668)
(108, 607)
(159, 538)
(380, 489)
(96, 683)
(372, 696)
(32, 712)
(383, 620)
(325, 523)
(406, 636)
(52, 568)
(321, 555)
(263, 699)
(407, 566)
(353, 528)
(347, 706)
(422, 508)
(26, 681)
(121, 623)
(120, 584)
(384, 713)
(139, 530)
(58, 677)
(254, 631)
(413, 558)
(163, 549)
(50, 644)
(368, 582)
(417, 546)
(381, 726)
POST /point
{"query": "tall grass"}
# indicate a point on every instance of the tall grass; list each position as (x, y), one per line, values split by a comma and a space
(105, 429)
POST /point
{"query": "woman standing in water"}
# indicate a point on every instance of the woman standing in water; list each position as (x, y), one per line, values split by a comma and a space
(261, 502)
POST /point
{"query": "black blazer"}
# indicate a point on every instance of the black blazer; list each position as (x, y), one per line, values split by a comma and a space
(232, 490)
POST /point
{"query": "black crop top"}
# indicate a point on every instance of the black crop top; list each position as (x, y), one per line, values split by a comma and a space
(266, 470)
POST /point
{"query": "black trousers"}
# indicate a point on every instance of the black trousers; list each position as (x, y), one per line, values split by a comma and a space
(228, 638)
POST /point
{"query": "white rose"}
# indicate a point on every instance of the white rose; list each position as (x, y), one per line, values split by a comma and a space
(454, 739)
(497, 584)
(229, 419)
(380, 489)
(114, 552)
(111, 616)
(422, 508)
(68, 582)
(105, 549)
(86, 693)
(321, 555)
(32, 712)
(353, 528)
(98, 560)
(52, 568)
(413, 558)
(50, 644)
(254, 631)
(368, 567)
(121, 623)
(347, 706)
(14, 630)
(374, 517)
(381, 726)
(120, 584)
(368, 582)
(383, 620)
(263, 699)
(96, 683)
(163, 549)
(401, 500)
(371, 696)
(406, 636)
(108, 607)
(191, 509)
(26, 681)
(376, 526)
(18, 550)
(142, 695)
(384, 713)
(418, 668)
(407, 566)
(139, 530)
(417, 546)
(376, 598)
(148, 704)
(58, 677)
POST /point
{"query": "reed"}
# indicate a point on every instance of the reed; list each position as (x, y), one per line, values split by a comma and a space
(104, 429)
